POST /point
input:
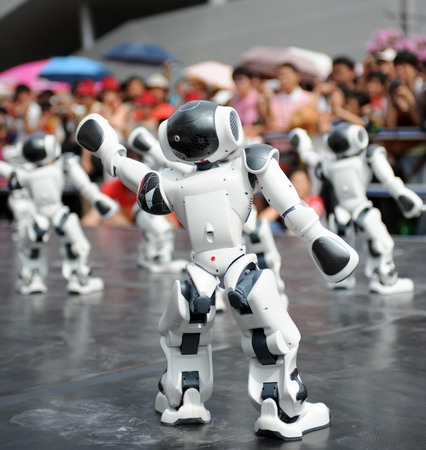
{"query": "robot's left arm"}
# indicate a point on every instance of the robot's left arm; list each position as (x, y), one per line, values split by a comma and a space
(105, 206)
(335, 259)
(96, 135)
(410, 204)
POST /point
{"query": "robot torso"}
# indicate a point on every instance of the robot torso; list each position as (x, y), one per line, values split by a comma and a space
(350, 178)
(212, 205)
(45, 185)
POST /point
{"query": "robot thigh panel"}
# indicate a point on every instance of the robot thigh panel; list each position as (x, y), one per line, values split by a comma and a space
(270, 339)
(186, 333)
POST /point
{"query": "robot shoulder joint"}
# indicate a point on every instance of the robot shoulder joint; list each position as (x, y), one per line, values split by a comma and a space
(151, 197)
(257, 157)
(374, 149)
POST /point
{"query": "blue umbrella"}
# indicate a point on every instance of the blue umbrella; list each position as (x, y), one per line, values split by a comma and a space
(73, 69)
(139, 53)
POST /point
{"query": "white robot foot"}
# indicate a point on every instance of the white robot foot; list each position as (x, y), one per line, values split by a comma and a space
(401, 285)
(35, 285)
(191, 411)
(347, 283)
(89, 285)
(314, 416)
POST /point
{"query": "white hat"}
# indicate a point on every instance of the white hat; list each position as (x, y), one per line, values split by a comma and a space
(386, 55)
(157, 80)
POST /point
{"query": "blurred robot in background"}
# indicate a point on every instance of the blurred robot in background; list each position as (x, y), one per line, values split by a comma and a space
(213, 202)
(350, 172)
(156, 249)
(44, 181)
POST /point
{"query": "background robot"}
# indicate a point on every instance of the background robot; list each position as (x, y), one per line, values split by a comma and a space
(350, 174)
(45, 184)
(212, 203)
(155, 252)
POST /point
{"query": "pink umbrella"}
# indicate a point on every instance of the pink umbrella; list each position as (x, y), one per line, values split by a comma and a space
(265, 60)
(27, 73)
(213, 73)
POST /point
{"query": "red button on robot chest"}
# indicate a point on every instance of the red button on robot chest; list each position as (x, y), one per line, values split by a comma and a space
(213, 258)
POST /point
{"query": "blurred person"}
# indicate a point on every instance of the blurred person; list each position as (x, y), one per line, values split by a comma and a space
(50, 122)
(158, 85)
(402, 106)
(246, 102)
(291, 103)
(133, 88)
(349, 106)
(25, 111)
(113, 108)
(343, 72)
(385, 62)
(375, 88)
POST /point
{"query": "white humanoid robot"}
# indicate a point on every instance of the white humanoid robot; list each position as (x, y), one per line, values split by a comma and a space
(350, 172)
(213, 202)
(45, 183)
(156, 250)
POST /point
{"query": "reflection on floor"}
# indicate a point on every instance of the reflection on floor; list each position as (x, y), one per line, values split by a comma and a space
(82, 372)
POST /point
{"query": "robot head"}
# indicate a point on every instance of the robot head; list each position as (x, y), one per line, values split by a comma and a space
(201, 131)
(40, 148)
(346, 140)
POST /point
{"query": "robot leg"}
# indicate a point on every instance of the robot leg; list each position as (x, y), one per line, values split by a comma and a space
(380, 267)
(23, 211)
(271, 339)
(186, 335)
(340, 222)
(260, 240)
(155, 251)
(75, 250)
(31, 256)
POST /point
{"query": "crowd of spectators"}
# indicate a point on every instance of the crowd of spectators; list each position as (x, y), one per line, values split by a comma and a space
(389, 92)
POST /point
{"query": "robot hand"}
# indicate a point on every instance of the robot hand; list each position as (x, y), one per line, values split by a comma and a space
(410, 204)
(302, 143)
(13, 182)
(105, 206)
(96, 135)
(142, 141)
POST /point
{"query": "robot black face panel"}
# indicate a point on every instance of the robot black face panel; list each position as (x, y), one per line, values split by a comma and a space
(199, 140)
(338, 140)
(34, 149)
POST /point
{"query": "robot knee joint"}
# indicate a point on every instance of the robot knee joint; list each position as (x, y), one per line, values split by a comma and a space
(238, 296)
(199, 305)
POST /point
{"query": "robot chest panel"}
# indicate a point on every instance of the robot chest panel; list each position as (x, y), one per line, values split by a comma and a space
(46, 185)
(213, 205)
(350, 179)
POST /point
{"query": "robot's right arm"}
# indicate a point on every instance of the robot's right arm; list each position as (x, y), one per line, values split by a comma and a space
(302, 143)
(335, 259)
(16, 178)
(144, 143)
(410, 204)
(96, 135)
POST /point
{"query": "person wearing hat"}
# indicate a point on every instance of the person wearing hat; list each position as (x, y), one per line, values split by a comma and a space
(158, 85)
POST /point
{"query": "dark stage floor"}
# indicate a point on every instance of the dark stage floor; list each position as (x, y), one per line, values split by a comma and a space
(82, 372)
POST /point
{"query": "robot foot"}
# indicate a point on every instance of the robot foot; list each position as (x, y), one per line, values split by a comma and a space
(347, 283)
(402, 285)
(191, 411)
(92, 284)
(35, 285)
(173, 266)
(315, 416)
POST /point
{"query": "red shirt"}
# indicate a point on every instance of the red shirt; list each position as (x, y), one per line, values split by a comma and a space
(116, 190)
